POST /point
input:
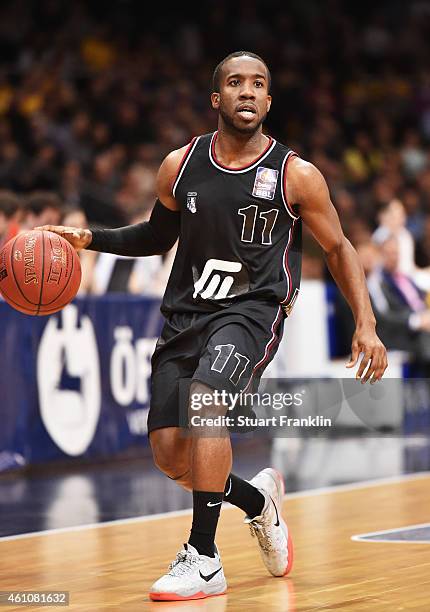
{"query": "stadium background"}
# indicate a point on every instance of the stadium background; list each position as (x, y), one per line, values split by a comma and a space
(92, 97)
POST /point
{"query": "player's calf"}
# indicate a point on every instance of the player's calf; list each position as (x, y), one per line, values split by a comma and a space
(171, 452)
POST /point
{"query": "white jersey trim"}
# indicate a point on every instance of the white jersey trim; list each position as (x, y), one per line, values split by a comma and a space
(283, 182)
(184, 164)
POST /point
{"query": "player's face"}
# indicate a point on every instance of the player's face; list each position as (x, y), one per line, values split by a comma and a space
(243, 100)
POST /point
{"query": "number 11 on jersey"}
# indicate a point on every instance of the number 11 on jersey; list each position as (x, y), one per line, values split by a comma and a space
(249, 215)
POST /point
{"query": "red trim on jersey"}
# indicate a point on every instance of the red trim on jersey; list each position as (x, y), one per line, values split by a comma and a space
(287, 267)
(183, 160)
(284, 182)
(242, 167)
(268, 348)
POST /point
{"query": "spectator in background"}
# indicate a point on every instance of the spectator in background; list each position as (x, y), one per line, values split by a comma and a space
(41, 172)
(414, 158)
(362, 160)
(137, 193)
(42, 208)
(400, 307)
(98, 192)
(12, 165)
(10, 215)
(402, 315)
(414, 207)
(70, 186)
(392, 223)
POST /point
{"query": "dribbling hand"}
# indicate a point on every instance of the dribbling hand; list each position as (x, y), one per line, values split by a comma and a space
(374, 362)
(79, 238)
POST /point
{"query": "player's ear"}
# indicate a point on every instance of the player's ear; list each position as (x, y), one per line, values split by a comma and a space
(215, 100)
(269, 103)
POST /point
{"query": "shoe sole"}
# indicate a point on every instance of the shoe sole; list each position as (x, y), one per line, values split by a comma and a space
(176, 597)
(290, 548)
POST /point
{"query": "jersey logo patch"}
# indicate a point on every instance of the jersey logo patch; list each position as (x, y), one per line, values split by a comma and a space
(192, 201)
(212, 284)
(265, 183)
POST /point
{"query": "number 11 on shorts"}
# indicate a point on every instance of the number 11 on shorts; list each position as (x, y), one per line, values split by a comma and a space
(225, 352)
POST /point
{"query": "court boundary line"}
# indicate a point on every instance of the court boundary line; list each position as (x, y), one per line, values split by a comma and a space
(364, 484)
(361, 537)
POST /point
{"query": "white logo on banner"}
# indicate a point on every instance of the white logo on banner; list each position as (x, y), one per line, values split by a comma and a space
(68, 355)
(130, 367)
(216, 288)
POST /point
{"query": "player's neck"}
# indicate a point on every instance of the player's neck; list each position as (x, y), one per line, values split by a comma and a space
(235, 149)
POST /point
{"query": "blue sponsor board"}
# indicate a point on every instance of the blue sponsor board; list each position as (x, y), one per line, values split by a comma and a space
(76, 384)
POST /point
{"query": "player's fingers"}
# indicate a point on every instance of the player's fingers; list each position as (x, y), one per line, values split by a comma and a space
(46, 228)
(378, 365)
(67, 232)
(383, 366)
(377, 375)
(56, 229)
(355, 353)
(374, 364)
(364, 363)
(71, 231)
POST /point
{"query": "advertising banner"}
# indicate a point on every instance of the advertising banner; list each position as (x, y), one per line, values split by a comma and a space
(76, 384)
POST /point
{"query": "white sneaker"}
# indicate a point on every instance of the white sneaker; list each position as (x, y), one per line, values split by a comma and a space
(190, 576)
(271, 530)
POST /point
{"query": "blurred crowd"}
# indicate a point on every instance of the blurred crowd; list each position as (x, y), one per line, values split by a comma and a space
(93, 96)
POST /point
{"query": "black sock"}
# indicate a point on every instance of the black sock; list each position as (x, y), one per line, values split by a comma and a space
(206, 509)
(244, 495)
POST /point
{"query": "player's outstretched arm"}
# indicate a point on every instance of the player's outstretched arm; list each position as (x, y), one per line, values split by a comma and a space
(152, 237)
(308, 189)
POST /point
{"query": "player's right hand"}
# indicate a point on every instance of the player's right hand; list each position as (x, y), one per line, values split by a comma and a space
(79, 238)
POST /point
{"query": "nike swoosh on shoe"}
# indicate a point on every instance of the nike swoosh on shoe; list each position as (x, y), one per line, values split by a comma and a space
(210, 576)
(276, 510)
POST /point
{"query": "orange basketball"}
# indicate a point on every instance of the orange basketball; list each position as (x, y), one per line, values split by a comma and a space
(40, 272)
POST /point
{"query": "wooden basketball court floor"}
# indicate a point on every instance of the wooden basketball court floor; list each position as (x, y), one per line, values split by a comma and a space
(111, 566)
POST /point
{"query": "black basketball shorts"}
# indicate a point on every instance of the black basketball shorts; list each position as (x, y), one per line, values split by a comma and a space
(226, 350)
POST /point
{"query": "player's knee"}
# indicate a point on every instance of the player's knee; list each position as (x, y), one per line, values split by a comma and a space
(206, 402)
(170, 455)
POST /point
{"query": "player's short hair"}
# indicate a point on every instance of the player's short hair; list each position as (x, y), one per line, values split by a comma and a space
(216, 77)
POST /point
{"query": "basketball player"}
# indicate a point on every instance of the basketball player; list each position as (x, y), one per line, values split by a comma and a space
(236, 199)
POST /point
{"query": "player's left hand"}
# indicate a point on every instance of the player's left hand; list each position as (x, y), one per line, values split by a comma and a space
(365, 341)
(79, 238)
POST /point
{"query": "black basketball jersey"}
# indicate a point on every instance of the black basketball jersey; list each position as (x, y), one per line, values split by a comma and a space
(239, 238)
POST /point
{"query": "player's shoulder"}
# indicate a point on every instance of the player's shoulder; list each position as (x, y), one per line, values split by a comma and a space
(174, 159)
(170, 168)
(305, 182)
(302, 170)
